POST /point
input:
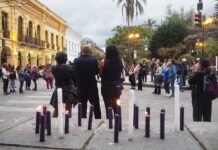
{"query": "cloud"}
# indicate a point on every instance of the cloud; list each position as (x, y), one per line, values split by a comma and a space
(96, 18)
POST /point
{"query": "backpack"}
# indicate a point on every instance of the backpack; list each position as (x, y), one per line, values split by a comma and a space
(210, 86)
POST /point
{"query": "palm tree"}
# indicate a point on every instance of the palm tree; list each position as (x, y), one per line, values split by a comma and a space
(131, 8)
(150, 23)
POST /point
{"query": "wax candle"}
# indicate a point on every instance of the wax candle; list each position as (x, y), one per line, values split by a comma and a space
(42, 129)
(119, 113)
(79, 114)
(163, 110)
(147, 125)
(48, 122)
(44, 108)
(134, 115)
(60, 114)
(137, 117)
(66, 129)
(162, 125)
(116, 129)
(90, 117)
(130, 121)
(38, 118)
(182, 118)
(148, 110)
(110, 117)
(177, 105)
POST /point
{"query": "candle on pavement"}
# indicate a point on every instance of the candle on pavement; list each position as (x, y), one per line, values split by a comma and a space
(90, 117)
(42, 129)
(182, 118)
(48, 122)
(162, 125)
(38, 118)
(60, 114)
(79, 114)
(137, 117)
(110, 117)
(116, 129)
(148, 110)
(120, 114)
(66, 129)
(130, 123)
(147, 124)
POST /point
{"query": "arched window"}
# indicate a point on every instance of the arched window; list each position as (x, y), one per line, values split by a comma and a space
(20, 26)
(30, 29)
(38, 32)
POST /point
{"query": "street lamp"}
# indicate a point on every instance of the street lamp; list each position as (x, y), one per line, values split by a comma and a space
(133, 36)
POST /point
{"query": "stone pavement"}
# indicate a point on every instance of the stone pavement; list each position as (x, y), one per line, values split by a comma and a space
(17, 125)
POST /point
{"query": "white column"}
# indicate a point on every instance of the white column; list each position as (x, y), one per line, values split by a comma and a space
(60, 114)
(177, 110)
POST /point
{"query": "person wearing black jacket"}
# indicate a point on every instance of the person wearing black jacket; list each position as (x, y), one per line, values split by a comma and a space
(202, 106)
(64, 78)
(86, 68)
(110, 70)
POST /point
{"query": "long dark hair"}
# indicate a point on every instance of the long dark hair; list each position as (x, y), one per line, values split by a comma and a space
(112, 53)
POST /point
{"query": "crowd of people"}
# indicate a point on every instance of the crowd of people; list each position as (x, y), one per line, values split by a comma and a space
(79, 84)
(25, 75)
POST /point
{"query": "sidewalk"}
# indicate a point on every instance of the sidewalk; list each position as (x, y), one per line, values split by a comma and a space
(17, 125)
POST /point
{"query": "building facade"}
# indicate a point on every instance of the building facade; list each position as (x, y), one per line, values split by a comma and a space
(30, 33)
(73, 44)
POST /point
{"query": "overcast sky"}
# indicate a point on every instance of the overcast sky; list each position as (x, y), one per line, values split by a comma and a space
(96, 18)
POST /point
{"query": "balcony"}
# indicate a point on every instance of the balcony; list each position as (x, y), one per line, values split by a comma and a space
(47, 45)
(32, 42)
(6, 34)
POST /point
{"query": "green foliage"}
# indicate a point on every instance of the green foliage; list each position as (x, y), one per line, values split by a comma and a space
(171, 32)
(126, 45)
(211, 49)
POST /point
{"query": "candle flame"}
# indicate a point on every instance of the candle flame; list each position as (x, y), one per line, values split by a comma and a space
(118, 102)
(39, 108)
(67, 112)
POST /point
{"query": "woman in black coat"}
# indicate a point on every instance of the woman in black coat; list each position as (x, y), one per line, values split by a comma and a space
(202, 106)
(64, 78)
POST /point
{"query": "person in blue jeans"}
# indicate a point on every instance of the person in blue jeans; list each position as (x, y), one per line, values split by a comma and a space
(172, 77)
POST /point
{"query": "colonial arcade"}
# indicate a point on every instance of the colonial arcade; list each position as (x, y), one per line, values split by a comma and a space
(30, 33)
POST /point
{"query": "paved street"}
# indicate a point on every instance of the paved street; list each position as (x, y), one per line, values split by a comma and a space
(17, 125)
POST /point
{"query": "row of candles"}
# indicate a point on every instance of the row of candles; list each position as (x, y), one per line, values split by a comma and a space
(43, 119)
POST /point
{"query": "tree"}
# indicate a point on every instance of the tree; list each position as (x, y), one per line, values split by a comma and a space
(131, 8)
(125, 45)
(150, 23)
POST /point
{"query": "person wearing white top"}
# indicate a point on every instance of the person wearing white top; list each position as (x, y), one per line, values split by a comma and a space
(5, 77)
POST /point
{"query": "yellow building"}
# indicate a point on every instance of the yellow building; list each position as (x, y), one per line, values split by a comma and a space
(30, 33)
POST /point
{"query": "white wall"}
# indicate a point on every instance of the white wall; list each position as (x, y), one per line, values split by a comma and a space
(73, 44)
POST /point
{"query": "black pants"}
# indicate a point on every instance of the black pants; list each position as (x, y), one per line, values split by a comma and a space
(35, 84)
(91, 95)
(110, 95)
(132, 80)
(202, 108)
(21, 87)
(5, 85)
(140, 82)
(167, 86)
(28, 83)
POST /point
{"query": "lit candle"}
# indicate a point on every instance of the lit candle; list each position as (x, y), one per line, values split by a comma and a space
(66, 122)
(119, 113)
(38, 118)
(148, 110)
(42, 129)
(44, 108)
(162, 126)
(110, 117)
(136, 117)
(116, 129)
(147, 125)
(182, 118)
(60, 114)
(177, 105)
(48, 122)
(79, 114)
(130, 126)
(163, 110)
(90, 117)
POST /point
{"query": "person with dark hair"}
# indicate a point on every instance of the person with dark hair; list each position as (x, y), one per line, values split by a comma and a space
(172, 77)
(132, 77)
(5, 77)
(34, 77)
(86, 68)
(27, 72)
(48, 77)
(12, 78)
(64, 78)
(202, 106)
(158, 78)
(21, 76)
(110, 71)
